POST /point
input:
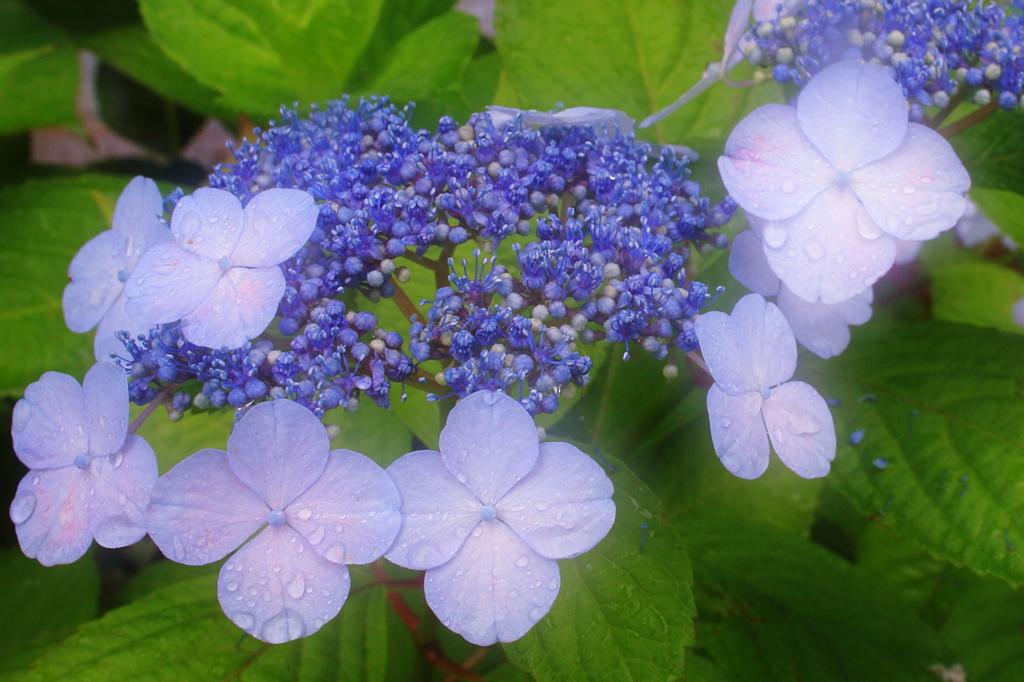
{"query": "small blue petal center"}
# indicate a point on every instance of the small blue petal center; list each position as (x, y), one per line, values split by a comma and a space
(766, 393)
(123, 275)
(224, 263)
(843, 178)
(82, 461)
(276, 518)
(488, 513)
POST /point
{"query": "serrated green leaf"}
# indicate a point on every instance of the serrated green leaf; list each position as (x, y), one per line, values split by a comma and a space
(981, 294)
(943, 405)
(43, 224)
(1004, 208)
(993, 151)
(624, 609)
(775, 607)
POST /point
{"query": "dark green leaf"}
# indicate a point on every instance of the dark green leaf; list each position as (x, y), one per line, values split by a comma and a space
(1004, 208)
(985, 630)
(993, 151)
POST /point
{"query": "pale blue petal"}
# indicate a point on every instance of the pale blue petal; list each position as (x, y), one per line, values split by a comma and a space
(770, 167)
(854, 112)
(105, 399)
(48, 425)
(821, 328)
(489, 443)
(123, 482)
(564, 506)
(609, 121)
(801, 428)
(208, 223)
(438, 512)
(94, 282)
(278, 589)
(726, 358)
(137, 218)
(494, 589)
(351, 514)
(765, 337)
(974, 228)
(279, 449)
(766, 10)
(240, 307)
(199, 511)
(749, 265)
(278, 222)
(739, 20)
(114, 321)
(51, 515)
(737, 432)
(1018, 313)
(168, 283)
(917, 191)
(906, 251)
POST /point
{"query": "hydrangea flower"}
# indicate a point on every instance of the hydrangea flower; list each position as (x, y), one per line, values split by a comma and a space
(100, 269)
(1018, 313)
(752, 355)
(487, 516)
(822, 328)
(89, 478)
(319, 510)
(831, 184)
(220, 275)
(610, 121)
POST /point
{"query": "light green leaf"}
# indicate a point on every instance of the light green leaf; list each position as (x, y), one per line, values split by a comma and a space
(941, 408)
(1004, 208)
(377, 433)
(993, 151)
(980, 293)
(173, 442)
(43, 224)
(625, 608)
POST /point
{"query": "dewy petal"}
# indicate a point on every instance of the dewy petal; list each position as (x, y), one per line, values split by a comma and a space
(489, 443)
(821, 328)
(168, 283)
(137, 218)
(564, 506)
(116, 320)
(822, 253)
(770, 167)
(727, 360)
(278, 589)
(494, 589)
(277, 223)
(739, 20)
(801, 428)
(438, 512)
(351, 514)
(240, 307)
(279, 449)
(749, 265)
(51, 515)
(105, 399)
(123, 481)
(737, 432)
(208, 223)
(48, 425)
(94, 282)
(906, 251)
(199, 511)
(765, 337)
(917, 191)
(854, 112)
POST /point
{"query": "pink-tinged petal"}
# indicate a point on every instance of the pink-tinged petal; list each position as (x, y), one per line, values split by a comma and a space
(279, 449)
(278, 222)
(94, 281)
(48, 425)
(208, 223)
(494, 589)
(199, 511)
(821, 328)
(564, 506)
(770, 167)
(351, 514)
(739, 20)
(240, 307)
(737, 432)
(917, 191)
(830, 251)
(489, 443)
(854, 112)
(116, 320)
(711, 76)
(168, 283)
(438, 512)
(749, 265)
(766, 10)
(278, 589)
(906, 251)
(725, 357)
(765, 337)
(105, 398)
(137, 218)
(801, 428)
(123, 482)
(51, 515)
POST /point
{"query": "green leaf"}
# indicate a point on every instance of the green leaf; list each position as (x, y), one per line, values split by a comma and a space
(625, 608)
(984, 631)
(1004, 208)
(981, 294)
(38, 71)
(173, 442)
(941, 403)
(775, 607)
(263, 53)
(35, 607)
(993, 151)
(43, 224)
(377, 433)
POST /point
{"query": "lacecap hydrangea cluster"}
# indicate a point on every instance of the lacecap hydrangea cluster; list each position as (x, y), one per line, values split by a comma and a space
(581, 234)
(936, 50)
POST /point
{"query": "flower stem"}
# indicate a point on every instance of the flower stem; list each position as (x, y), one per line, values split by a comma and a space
(157, 402)
(405, 304)
(970, 120)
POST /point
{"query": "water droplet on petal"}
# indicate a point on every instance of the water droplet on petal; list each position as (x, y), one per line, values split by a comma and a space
(22, 507)
(297, 587)
(774, 236)
(814, 250)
